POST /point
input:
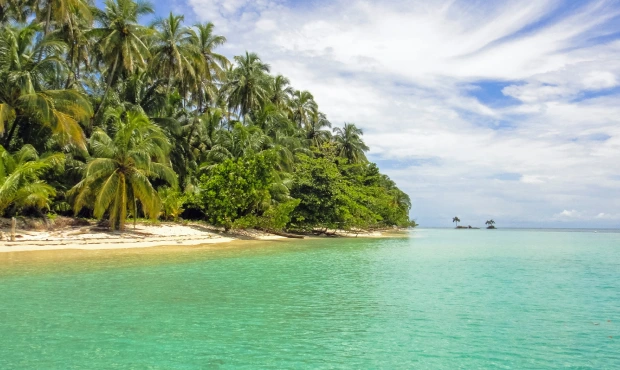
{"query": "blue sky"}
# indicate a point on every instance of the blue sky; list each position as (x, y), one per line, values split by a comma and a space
(478, 109)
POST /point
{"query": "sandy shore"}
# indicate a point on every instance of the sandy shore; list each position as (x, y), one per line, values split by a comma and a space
(143, 236)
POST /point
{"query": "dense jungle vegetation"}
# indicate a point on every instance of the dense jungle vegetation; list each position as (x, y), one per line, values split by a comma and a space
(107, 117)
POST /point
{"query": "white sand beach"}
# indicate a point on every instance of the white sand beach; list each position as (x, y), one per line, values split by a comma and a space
(143, 236)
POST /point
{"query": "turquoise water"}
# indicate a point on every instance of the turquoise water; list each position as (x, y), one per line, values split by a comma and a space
(438, 299)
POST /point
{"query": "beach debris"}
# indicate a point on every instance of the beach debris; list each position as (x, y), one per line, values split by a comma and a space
(13, 226)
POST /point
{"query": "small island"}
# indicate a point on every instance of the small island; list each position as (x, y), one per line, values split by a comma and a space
(456, 220)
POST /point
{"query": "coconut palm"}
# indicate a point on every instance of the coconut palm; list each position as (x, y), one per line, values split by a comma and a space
(271, 120)
(28, 77)
(490, 223)
(315, 133)
(349, 143)
(456, 220)
(211, 66)
(248, 84)
(15, 10)
(61, 12)
(119, 174)
(241, 141)
(20, 183)
(172, 203)
(173, 50)
(302, 105)
(280, 91)
(74, 33)
(120, 39)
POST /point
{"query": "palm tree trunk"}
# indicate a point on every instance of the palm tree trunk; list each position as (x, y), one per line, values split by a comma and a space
(135, 212)
(70, 73)
(7, 142)
(48, 17)
(110, 78)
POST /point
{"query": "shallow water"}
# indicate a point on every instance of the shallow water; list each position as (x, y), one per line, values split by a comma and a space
(438, 299)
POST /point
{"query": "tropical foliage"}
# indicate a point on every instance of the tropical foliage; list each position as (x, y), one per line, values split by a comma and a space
(21, 186)
(136, 120)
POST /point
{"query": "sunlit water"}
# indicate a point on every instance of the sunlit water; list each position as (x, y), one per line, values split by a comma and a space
(438, 299)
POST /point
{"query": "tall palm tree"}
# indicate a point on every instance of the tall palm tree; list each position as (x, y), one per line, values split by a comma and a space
(248, 84)
(490, 223)
(120, 38)
(61, 11)
(173, 50)
(211, 66)
(280, 91)
(20, 183)
(120, 171)
(456, 220)
(27, 71)
(315, 133)
(302, 106)
(270, 119)
(349, 143)
(74, 33)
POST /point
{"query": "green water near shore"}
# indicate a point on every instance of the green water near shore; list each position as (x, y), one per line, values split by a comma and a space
(439, 299)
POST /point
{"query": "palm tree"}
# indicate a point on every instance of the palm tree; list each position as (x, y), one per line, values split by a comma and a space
(302, 106)
(119, 173)
(61, 12)
(271, 119)
(315, 134)
(490, 223)
(173, 50)
(280, 91)
(349, 143)
(210, 67)
(457, 220)
(121, 38)
(74, 33)
(172, 203)
(27, 71)
(241, 141)
(248, 84)
(15, 11)
(20, 183)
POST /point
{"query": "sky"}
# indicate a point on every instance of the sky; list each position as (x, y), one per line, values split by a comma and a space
(504, 110)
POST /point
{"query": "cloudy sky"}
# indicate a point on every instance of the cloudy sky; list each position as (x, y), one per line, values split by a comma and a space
(481, 109)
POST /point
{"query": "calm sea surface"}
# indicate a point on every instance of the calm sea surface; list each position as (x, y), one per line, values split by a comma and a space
(437, 299)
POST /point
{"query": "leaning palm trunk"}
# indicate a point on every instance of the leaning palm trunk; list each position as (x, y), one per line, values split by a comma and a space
(108, 85)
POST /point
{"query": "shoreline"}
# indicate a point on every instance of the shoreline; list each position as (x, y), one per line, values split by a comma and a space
(144, 236)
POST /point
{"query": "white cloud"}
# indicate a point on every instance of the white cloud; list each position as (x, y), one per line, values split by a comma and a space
(565, 214)
(608, 216)
(405, 72)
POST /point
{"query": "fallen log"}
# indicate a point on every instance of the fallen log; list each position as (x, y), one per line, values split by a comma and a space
(286, 235)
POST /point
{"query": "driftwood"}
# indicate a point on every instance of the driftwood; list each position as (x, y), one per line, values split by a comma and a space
(286, 235)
